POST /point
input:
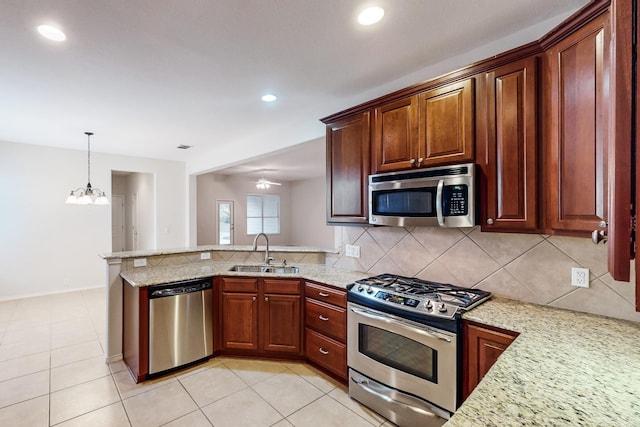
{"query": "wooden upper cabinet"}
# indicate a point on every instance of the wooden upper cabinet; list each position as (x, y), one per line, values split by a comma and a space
(575, 120)
(446, 124)
(348, 165)
(395, 135)
(507, 147)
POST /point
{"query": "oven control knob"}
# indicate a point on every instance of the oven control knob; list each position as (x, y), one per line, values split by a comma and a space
(360, 288)
(428, 305)
(442, 308)
(369, 290)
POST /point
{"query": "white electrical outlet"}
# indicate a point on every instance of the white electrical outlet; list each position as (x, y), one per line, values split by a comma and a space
(205, 255)
(352, 251)
(140, 262)
(580, 277)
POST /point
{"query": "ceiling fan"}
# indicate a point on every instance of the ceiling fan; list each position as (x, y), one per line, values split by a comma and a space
(263, 183)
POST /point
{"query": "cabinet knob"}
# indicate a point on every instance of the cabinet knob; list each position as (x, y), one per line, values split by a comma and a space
(420, 160)
(412, 161)
(490, 221)
(254, 298)
(323, 351)
(266, 299)
(598, 236)
(323, 318)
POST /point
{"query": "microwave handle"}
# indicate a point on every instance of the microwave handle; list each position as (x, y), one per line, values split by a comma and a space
(439, 203)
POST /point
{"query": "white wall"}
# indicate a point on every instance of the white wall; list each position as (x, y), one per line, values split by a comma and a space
(47, 246)
(308, 214)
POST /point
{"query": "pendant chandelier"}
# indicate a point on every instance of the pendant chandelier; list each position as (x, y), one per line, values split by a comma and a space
(88, 195)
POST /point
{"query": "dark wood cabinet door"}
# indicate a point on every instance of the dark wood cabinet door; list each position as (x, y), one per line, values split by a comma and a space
(135, 330)
(482, 347)
(239, 320)
(508, 147)
(575, 117)
(395, 135)
(446, 124)
(348, 166)
(282, 322)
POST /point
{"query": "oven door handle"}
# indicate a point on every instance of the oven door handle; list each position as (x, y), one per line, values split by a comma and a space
(439, 202)
(371, 388)
(428, 333)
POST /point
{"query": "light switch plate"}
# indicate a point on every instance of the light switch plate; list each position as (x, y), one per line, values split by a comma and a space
(140, 262)
(580, 277)
(352, 251)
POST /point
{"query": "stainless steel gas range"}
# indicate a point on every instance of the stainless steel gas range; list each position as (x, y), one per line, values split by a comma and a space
(404, 348)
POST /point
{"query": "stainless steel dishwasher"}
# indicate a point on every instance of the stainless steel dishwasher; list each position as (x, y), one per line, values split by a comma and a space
(180, 324)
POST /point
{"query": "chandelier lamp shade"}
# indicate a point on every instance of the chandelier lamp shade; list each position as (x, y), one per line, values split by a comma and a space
(87, 195)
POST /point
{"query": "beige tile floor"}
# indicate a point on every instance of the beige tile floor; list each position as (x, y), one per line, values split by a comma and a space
(52, 372)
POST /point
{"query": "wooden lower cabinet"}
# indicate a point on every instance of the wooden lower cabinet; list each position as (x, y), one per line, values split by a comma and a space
(326, 328)
(326, 353)
(135, 330)
(482, 346)
(261, 315)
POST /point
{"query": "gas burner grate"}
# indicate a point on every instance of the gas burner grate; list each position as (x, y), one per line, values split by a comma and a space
(441, 292)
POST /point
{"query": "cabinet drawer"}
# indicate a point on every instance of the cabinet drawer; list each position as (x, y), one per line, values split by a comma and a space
(325, 318)
(326, 294)
(280, 286)
(328, 353)
(239, 285)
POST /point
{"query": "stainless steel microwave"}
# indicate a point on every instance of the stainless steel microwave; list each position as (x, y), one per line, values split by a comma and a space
(441, 196)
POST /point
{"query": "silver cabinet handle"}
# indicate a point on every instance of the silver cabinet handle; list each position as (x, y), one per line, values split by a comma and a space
(253, 299)
(490, 221)
(266, 299)
(323, 318)
(420, 160)
(323, 351)
(412, 161)
(598, 236)
(439, 203)
(322, 294)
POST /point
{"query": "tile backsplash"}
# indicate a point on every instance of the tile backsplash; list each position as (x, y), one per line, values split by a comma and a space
(527, 267)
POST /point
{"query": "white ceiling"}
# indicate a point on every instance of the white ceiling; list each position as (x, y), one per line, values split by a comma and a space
(149, 75)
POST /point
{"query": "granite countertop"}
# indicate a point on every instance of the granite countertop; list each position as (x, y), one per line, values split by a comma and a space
(566, 368)
(148, 276)
(236, 248)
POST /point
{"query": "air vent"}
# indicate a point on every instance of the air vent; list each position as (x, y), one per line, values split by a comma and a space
(184, 147)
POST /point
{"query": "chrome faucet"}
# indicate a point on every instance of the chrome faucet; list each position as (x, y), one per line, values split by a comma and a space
(267, 258)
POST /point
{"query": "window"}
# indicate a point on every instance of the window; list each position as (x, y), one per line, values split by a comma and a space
(263, 213)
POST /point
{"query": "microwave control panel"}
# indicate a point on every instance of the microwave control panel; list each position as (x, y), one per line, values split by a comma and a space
(456, 198)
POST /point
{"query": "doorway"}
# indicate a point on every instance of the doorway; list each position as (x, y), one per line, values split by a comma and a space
(224, 222)
(138, 191)
(117, 223)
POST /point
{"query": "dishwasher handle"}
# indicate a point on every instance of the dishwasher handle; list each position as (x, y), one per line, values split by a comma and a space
(180, 289)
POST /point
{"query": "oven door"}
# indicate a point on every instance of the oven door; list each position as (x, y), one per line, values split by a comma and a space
(404, 355)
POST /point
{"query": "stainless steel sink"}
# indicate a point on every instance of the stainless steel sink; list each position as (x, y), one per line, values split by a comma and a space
(261, 268)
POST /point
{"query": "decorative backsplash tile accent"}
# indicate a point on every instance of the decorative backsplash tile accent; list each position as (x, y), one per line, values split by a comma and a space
(527, 267)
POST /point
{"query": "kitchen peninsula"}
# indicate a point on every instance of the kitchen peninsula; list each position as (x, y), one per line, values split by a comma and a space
(169, 265)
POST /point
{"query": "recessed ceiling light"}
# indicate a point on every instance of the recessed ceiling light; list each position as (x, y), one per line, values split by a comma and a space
(269, 97)
(370, 15)
(52, 33)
